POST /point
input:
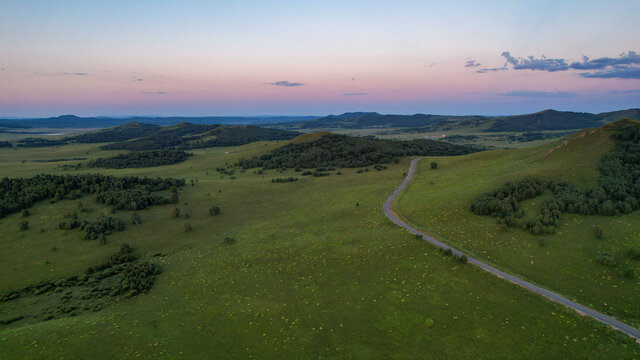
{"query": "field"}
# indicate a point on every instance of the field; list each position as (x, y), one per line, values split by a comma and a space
(565, 261)
(317, 270)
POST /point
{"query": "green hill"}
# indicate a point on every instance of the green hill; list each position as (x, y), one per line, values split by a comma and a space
(590, 254)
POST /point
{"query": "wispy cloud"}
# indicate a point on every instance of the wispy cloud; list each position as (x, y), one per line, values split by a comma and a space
(154, 92)
(619, 92)
(62, 74)
(531, 63)
(284, 83)
(471, 63)
(486, 70)
(355, 94)
(538, 94)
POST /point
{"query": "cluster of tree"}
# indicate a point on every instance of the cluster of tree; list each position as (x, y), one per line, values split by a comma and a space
(187, 136)
(39, 142)
(5, 144)
(283, 180)
(135, 277)
(346, 151)
(141, 159)
(129, 192)
(225, 171)
(102, 227)
(618, 191)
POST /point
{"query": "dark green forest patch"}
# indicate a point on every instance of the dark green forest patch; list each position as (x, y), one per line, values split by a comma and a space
(343, 151)
(141, 159)
(129, 192)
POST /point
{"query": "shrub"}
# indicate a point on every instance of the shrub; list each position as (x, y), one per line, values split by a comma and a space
(463, 259)
(597, 231)
(633, 253)
(214, 211)
(606, 259)
(448, 252)
(24, 225)
(187, 227)
(434, 165)
(24, 213)
(228, 240)
(135, 218)
(175, 213)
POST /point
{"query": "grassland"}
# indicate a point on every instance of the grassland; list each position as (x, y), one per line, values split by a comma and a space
(317, 271)
(439, 201)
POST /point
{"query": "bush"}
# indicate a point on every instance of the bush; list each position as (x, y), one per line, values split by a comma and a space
(24, 225)
(228, 241)
(187, 227)
(434, 165)
(597, 231)
(634, 254)
(606, 259)
(175, 213)
(214, 211)
(25, 213)
(448, 252)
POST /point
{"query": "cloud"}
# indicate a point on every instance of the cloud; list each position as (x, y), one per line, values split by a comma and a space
(284, 83)
(630, 58)
(355, 94)
(154, 93)
(619, 92)
(531, 63)
(538, 94)
(618, 72)
(471, 63)
(486, 70)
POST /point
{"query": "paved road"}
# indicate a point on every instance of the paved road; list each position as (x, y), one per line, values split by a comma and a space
(580, 309)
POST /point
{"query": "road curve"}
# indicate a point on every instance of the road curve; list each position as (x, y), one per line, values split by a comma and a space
(580, 309)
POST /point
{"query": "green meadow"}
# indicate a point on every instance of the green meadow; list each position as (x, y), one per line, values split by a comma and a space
(317, 271)
(439, 201)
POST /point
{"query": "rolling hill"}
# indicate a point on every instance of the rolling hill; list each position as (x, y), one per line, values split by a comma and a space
(543, 120)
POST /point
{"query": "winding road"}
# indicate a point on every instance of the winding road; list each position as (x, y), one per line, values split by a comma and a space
(580, 309)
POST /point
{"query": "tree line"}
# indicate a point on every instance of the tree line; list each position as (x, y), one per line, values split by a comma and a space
(130, 192)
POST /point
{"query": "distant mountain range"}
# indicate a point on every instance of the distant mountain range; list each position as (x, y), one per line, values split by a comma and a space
(543, 120)
(77, 122)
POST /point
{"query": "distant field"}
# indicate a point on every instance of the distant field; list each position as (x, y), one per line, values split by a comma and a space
(439, 202)
(317, 270)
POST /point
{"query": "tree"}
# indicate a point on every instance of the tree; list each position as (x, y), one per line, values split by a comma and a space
(175, 213)
(24, 225)
(434, 165)
(187, 227)
(214, 211)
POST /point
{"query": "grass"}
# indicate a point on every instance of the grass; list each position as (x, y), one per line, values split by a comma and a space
(439, 201)
(310, 275)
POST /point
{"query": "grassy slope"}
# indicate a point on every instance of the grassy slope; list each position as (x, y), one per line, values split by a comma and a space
(439, 201)
(311, 276)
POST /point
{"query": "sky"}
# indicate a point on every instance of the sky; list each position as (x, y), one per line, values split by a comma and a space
(198, 58)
